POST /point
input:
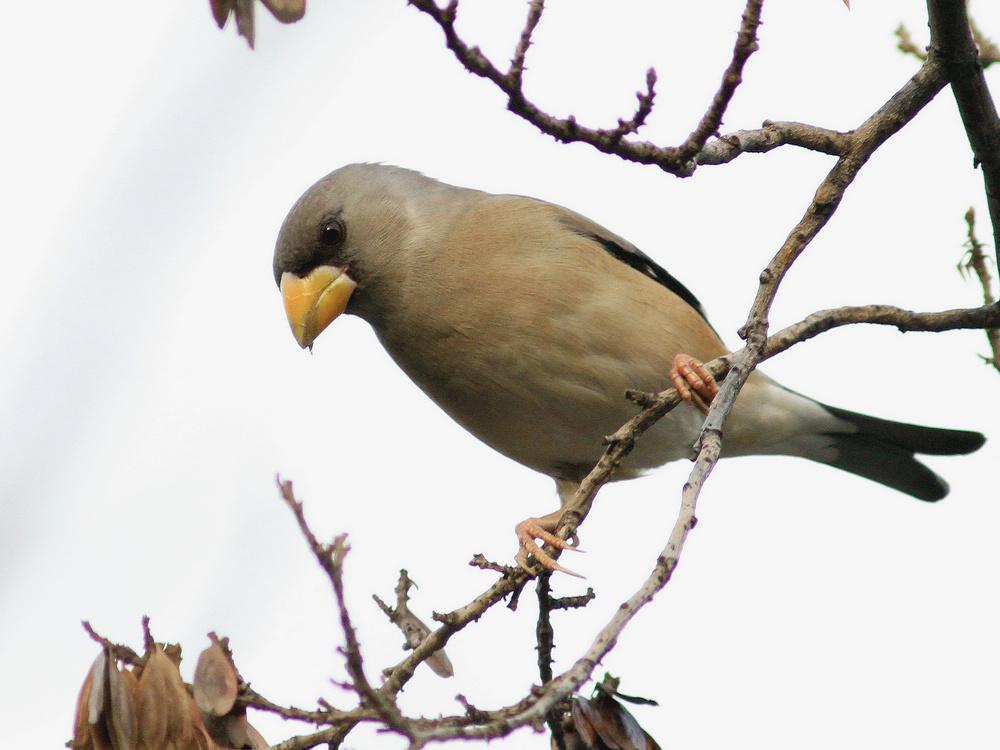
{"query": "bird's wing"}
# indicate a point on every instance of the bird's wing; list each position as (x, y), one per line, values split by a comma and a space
(628, 254)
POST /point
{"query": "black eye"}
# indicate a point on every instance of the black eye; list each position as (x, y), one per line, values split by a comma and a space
(332, 233)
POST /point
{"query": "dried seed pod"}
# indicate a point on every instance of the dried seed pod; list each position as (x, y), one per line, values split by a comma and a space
(105, 711)
(215, 681)
(164, 714)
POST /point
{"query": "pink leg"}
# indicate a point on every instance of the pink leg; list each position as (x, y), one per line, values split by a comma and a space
(544, 529)
(693, 382)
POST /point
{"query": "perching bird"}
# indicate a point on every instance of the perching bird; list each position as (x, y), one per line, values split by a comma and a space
(527, 322)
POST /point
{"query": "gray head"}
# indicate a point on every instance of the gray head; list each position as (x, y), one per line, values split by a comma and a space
(354, 227)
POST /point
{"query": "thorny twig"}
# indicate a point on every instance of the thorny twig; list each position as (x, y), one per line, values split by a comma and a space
(977, 262)
(545, 640)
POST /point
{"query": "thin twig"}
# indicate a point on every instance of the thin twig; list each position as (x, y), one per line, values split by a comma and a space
(331, 559)
(516, 71)
(886, 315)
(117, 650)
(544, 634)
(678, 160)
(545, 640)
(413, 628)
(977, 262)
(906, 44)
(746, 45)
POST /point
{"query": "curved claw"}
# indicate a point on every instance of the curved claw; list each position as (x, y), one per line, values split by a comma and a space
(539, 528)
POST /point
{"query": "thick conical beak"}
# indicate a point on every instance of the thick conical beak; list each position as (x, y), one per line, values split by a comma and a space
(314, 301)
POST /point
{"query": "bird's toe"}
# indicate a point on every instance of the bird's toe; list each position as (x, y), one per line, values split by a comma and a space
(693, 381)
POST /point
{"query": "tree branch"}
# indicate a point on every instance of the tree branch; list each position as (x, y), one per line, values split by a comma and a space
(953, 45)
(771, 135)
(746, 45)
(679, 160)
(413, 628)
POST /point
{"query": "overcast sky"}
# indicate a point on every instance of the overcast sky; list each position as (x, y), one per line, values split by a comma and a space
(150, 389)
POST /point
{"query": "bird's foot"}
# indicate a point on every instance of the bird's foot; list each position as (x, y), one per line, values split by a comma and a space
(693, 381)
(544, 529)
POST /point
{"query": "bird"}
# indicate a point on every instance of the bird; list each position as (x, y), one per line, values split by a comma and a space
(527, 322)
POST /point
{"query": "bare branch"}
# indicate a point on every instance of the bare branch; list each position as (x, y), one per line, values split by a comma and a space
(545, 640)
(953, 45)
(679, 161)
(516, 71)
(331, 558)
(900, 109)
(886, 315)
(326, 715)
(413, 628)
(544, 634)
(746, 45)
(771, 135)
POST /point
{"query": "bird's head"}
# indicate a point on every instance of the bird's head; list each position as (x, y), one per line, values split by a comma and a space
(341, 235)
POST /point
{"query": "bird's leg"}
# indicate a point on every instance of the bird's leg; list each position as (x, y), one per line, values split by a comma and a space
(693, 382)
(544, 528)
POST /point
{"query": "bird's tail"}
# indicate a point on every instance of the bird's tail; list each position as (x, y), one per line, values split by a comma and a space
(883, 451)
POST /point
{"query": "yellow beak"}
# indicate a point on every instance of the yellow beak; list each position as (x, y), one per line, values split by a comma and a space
(314, 302)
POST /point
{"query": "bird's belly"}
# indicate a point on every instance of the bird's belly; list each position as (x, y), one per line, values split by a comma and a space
(552, 413)
(565, 438)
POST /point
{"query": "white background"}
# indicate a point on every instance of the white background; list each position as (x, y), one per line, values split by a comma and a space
(150, 389)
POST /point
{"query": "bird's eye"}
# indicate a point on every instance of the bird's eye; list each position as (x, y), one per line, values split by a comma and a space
(332, 233)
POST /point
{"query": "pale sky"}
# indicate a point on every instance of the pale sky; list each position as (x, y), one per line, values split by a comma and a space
(150, 389)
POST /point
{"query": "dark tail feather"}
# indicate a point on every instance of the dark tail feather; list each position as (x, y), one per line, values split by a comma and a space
(883, 451)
